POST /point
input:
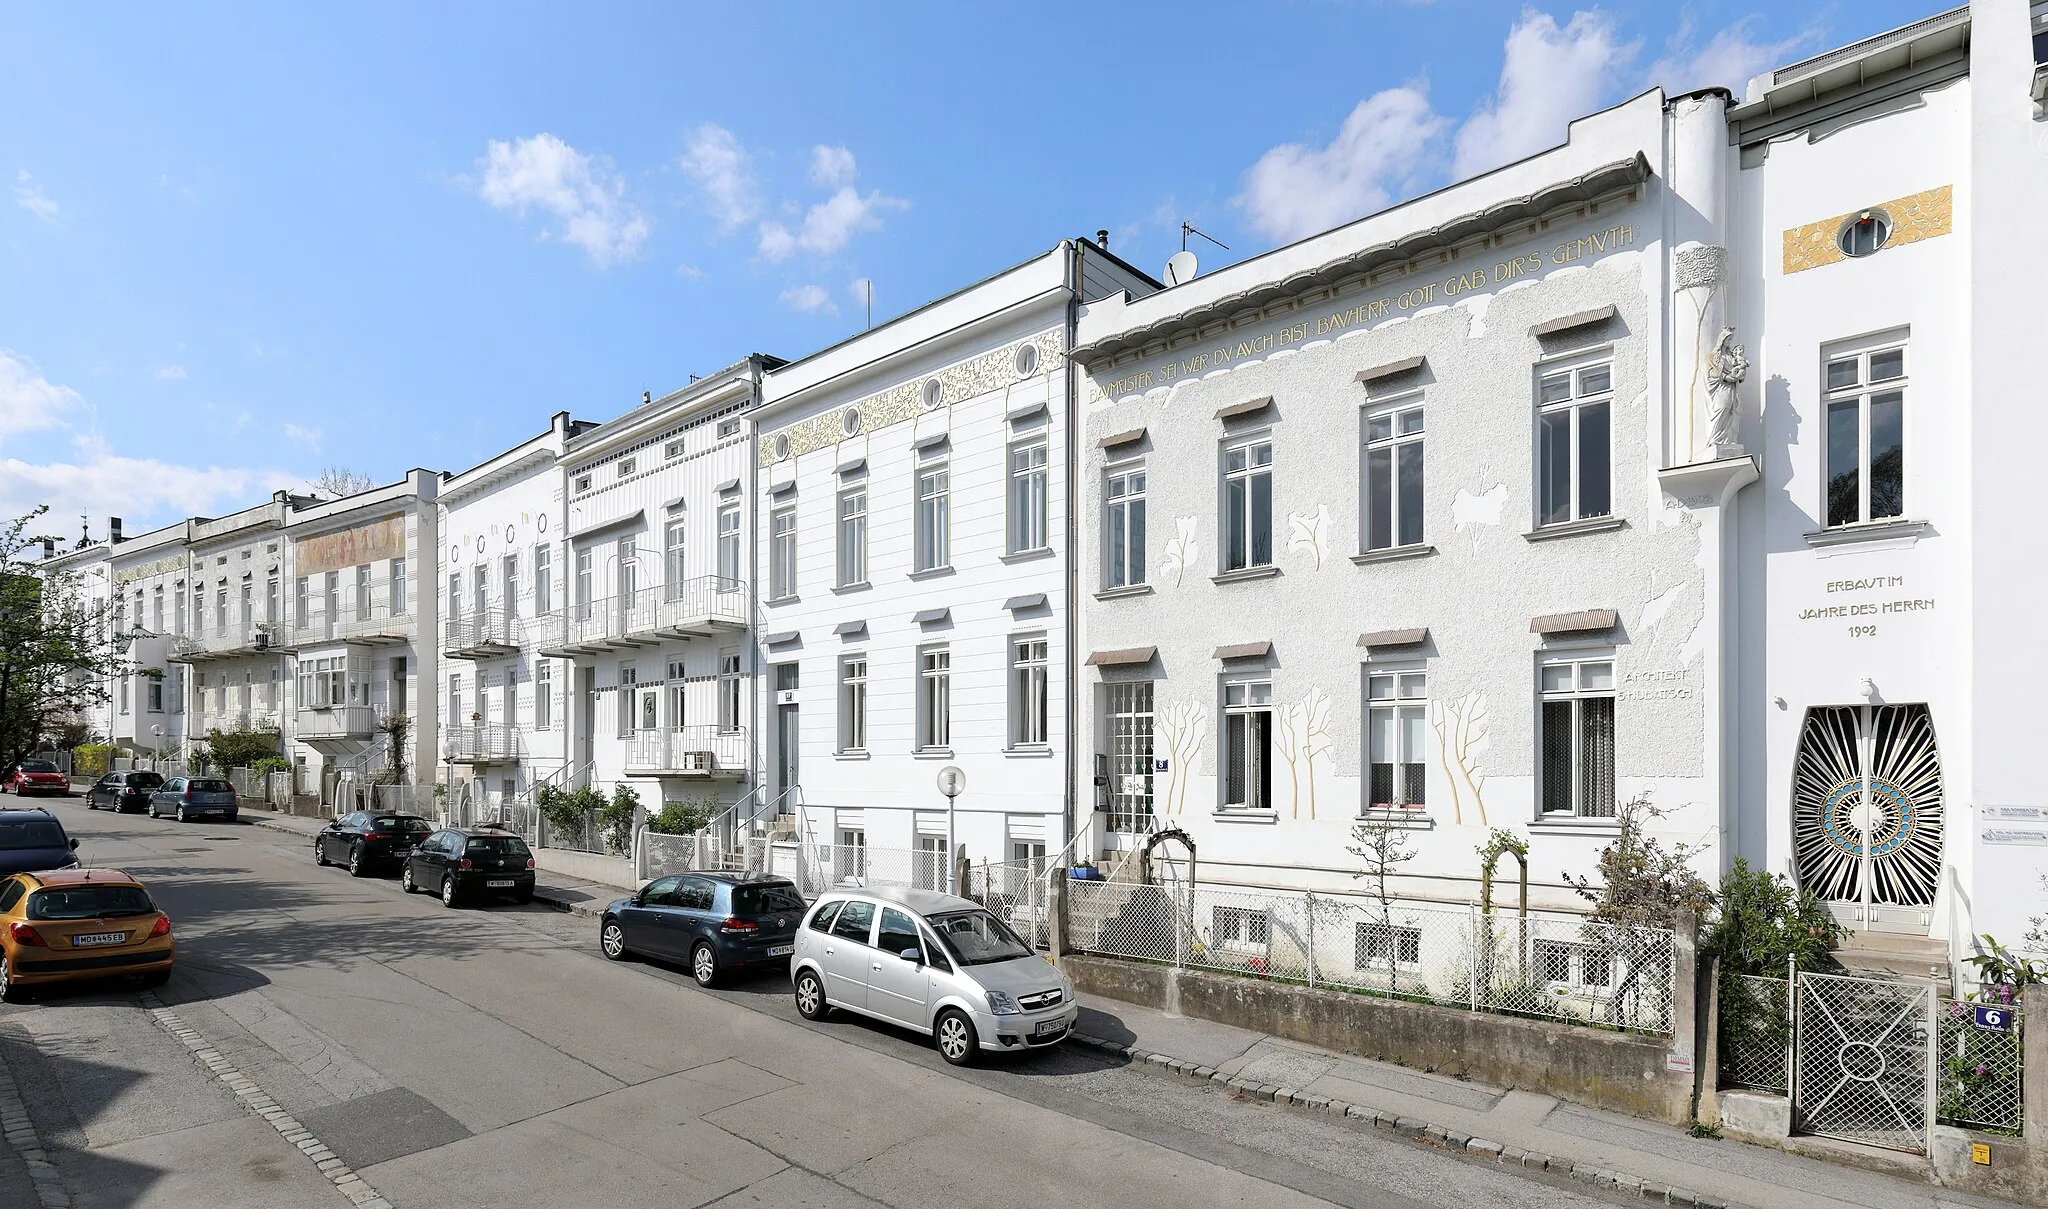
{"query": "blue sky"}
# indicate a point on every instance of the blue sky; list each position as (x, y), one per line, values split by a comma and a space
(238, 245)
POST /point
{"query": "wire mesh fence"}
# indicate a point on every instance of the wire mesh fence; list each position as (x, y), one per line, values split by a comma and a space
(1554, 967)
(1756, 1032)
(1979, 1069)
(823, 866)
(1015, 892)
(582, 834)
(668, 854)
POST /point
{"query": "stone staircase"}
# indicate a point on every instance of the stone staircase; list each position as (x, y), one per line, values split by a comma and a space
(1896, 955)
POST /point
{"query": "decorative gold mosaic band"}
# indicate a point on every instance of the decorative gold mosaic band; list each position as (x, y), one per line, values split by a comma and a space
(1915, 217)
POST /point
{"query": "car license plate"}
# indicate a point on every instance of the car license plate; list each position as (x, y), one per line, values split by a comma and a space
(98, 938)
(781, 950)
(497, 883)
(1051, 1028)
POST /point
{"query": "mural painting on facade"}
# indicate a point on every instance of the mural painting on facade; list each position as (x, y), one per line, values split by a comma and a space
(1310, 531)
(1304, 735)
(1182, 549)
(1461, 737)
(1181, 727)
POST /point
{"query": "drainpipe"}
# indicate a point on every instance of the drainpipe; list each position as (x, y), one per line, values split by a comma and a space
(1073, 679)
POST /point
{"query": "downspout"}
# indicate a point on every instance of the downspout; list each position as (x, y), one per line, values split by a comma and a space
(1074, 753)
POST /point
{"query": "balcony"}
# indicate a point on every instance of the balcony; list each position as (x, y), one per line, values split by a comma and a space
(337, 722)
(490, 743)
(700, 753)
(376, 625)
(695, 608)
(225, 642)
(485, 635)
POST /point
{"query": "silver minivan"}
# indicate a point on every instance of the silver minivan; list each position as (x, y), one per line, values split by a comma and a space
(931, 962)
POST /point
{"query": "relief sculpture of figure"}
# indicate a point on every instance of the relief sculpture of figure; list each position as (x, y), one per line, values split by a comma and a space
(1726, 368)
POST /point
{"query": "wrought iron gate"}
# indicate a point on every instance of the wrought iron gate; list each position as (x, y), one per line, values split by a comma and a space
(1862, 1060)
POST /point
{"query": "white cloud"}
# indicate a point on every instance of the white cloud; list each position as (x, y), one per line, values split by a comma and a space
(722, 170)
(28, 401)
(583, 191)
(829, 225)
(308, 437)
(1297, 189)
(170, 373)
(810, 299)
(1548, 76)
(1728, 59)
(689, 272)
(30, 198)
(832, 167)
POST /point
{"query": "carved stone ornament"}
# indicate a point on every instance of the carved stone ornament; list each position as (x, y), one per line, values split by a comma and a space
(1726, 369)
(1701, 266)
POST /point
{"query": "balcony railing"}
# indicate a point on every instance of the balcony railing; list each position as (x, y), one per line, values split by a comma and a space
(338, 722)
(700, 607)
(377, 625)
(706, 752)
(483, 635)
(484, 743)
(223, 642)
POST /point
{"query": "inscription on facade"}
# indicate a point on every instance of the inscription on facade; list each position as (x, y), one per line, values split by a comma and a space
(155, 567)
(1873, 598)
(1657, 684)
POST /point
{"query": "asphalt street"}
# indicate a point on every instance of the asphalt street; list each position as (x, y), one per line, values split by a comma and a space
(493, 1057)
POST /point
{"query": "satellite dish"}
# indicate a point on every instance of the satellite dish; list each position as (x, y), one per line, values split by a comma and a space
(1180, 267)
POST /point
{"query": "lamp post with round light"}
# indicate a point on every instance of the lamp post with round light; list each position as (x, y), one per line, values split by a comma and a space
(952, 783)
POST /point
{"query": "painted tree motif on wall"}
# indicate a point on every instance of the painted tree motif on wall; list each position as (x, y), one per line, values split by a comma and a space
(1304, 735)
(1182, 549)
(1310, 531)
(1461, 735)
(1180, 726)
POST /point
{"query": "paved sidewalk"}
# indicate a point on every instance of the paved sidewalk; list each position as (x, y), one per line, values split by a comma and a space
(1517, 1127)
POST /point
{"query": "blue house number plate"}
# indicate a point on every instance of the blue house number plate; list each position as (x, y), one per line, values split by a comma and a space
(1992, 1016)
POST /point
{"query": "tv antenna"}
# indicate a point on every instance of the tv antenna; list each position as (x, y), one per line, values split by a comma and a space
(1188, 228)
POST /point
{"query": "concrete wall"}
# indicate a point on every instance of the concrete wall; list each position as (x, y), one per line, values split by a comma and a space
(587, 867)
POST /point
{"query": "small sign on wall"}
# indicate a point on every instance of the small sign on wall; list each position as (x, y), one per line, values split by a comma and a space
(1678, 1064)
(1992, 1016)
(1159, 765)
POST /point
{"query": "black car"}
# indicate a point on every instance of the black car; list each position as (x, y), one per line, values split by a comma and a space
(462, 862)
(123, 792)
(190, 798)
(716, 922)
(32, 841)
(366, 841)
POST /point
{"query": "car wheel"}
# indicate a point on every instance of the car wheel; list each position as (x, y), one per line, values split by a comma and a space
(10, 990)
(810, 997)
(405, 881)
(181, 815)
(704, 964)
(955, 1036)
(319, 855)
(448, 890)
(612, 939)
(356, 868)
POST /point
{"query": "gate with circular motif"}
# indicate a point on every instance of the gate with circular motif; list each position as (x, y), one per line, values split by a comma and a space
(1863, 1060)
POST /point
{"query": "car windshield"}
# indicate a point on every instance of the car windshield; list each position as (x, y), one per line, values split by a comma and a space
(37, 766)
(144, 780)
(399, 822)
(209, 786)
(30, 833)
(89, 902)
(977, 938)
(761, 900)
(496, 845)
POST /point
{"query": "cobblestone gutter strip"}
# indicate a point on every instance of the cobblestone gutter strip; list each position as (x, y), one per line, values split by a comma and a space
(20, 1133)
(256, 1100)
(1418, 1130)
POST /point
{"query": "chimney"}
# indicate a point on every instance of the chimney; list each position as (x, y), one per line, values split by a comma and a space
(646, 397)
(1102, 239)
(49, 548)
(113, 530)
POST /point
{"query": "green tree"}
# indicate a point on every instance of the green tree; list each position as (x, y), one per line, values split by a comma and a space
(241, 747)
(59, 656)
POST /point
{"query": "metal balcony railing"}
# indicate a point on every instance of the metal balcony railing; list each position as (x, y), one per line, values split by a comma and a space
(700, 607)
(222, 642)
(338, 722)
(377, 625)
(482, 743)
(708, 752)
(482, 635)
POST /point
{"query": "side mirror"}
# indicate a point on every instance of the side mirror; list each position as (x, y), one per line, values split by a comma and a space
(912, 955)
(74, 845)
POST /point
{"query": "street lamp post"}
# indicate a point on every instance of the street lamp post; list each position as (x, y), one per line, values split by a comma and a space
(952, 783)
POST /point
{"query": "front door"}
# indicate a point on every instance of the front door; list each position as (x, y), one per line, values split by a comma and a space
(587, 725)
(898, 989)
(785, 733)
(1867, 814)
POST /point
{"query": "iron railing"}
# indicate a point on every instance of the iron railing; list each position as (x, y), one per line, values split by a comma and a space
(701, 751)
(378, 624)
(337, 722)
(481, 743)
(703, 605)
(477, 635)
(218, 642)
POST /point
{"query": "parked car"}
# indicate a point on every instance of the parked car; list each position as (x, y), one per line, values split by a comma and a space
(934, 963)
(462, 862)
(122, 792)
(33, 839)
(74, 924)
(366, 841)
(717, 922)
(37, 776)
(191, 798)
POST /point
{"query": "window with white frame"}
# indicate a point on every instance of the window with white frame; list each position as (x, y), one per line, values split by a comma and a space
(1130, 757)
(1374, 945)
(1248, 504)
(454, 595)
(853, 703)
(1248, 745)
(1392, 510)
(178, 602)
(1866, 413)
(511, 694)
(586, 562)
(508, 579)
(220, 602)
(271, 591)
(543, 694)
(154, 689)
(1239, 928)
(543, 580)
(728, 428)
(156, 604)
(1029, 708)
(934, 697)
(456, 719)
(782, 552)
(1574, 477)
(582, 483)
(674, 449)
(672, 567)
(399, 604)
(729, 543)
(1576, 762)
(628, 570)
(480, 589)
(853, 536)
(1123, 519)
(124, 693)
(729, 691)
(1395, 702)
(365, 596)
(934, 492)
(928, 863)
(627, 466)
(1028, 508)
(678, 686)
(1580, 966)
(629, 689)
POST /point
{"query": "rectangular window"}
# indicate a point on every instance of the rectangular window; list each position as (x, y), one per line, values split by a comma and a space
(628, 570)
(363, 602)
(728, 428)
(509, 583)
(1028, 696)
(1248, 745)
(1573, 474)
(627, 466)
(1374, 945)
(543, 694)
(1130, 758)
(332, 591)
(782, 553)
(853, 704)
(1239, 927)
(677, 685)
(650, 710)
(629, 689)
(1248, 505)
(672, 558)
(1587, 966)
(481, 593)
(934, 493)
(398, 602)
(1123, 518)
(270, 599)
(454, 595)
(582, 483)
(1577, 758)
(729, 691)
(1394, 710)
(674, 449)
(511, 696)
(585, 558)
(729, 543)
(456, 718)
(156, 604)
(248, 603)
(1392, 512)
(124, 694)
(1028, 507)
(220, 603)
(543, 580)
(155, 689)
(178, 602)
(1866, 435)
(934, 698)
(853, 536)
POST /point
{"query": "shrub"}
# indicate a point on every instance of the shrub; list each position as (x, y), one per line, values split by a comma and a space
(615, 818)
(241, 747)
(1765, 923)
(681, 818)
(92, 759)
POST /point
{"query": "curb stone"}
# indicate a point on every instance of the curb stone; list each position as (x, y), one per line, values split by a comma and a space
(20, 1133)
(1440, 1136)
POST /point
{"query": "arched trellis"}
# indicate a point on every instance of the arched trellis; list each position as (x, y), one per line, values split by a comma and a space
(1506, 843)
(1153, 841)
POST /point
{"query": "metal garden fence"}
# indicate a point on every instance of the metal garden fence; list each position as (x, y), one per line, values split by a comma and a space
(1978, 1072)
(1756, 1033)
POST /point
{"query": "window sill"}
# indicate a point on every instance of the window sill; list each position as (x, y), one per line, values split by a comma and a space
(1240, 815)
(850, 755)
(843, 589)
(1249, 573)
(1398, 819)
(1575, 826)
(1903, 532)
(1026, 556)
(932, 753)
(1029, 751)
(932, 572)
(792, 598)
(1597, 524)
(1392, 554)
(1126, 590)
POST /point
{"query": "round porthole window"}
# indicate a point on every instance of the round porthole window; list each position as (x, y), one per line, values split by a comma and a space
(454, 553)
(934, 394)
(511, 534)
(849, 421)
(542, 522)
(781, 445)
(1865, 233)
(1027, 360)
(480, 543)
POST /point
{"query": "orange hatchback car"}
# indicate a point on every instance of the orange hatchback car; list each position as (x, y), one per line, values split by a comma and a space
(72, 924)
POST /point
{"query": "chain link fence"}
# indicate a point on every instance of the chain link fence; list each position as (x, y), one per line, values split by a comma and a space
(1979, 1069)
(1014, 892)
(1756, 1033)
(1561, 968)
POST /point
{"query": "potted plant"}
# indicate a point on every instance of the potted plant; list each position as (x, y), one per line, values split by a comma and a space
(1084, 871)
